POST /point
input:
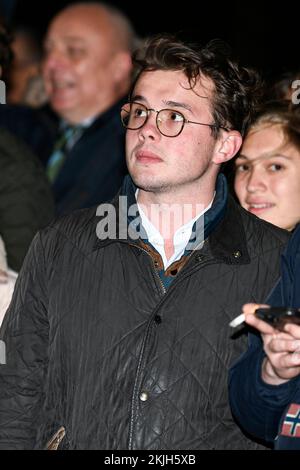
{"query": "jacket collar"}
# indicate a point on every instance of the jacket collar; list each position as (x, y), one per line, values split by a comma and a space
(102, 120)
(228, 241)
(96, 122)
(222, 223)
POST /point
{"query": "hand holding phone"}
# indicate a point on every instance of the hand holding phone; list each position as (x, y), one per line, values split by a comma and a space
(278, 317)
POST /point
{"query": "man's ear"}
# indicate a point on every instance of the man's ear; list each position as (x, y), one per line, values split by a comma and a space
(227, 146)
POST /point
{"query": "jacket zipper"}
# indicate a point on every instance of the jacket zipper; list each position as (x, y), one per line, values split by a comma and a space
(154, 270)
(137, 379)
(190, 271)
(158, 277)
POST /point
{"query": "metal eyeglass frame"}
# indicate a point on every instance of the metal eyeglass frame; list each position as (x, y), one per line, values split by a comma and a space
(184, 120)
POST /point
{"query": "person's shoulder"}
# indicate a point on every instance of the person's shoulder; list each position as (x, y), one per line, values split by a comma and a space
(15, 111)
(13, 147)
(77, 228)
(295, 237)
(74, 222)
(8, 139)
(16, 154)
(262, 230)
(17, 117)
(109, 120)
(293, 247)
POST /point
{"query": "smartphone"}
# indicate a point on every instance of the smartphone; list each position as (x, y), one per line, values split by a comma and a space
(279, 316)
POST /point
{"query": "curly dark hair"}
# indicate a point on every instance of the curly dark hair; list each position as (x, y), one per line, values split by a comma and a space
(5, 41)
(237, 89)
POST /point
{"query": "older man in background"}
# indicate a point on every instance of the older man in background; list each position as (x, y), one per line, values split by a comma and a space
(87, 72)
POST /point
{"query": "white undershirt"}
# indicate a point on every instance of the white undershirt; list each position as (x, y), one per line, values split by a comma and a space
(180, 238)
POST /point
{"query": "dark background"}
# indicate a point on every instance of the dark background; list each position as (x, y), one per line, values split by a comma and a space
(262, 34)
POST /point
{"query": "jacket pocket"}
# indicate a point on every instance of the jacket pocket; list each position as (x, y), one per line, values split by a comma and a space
(56, 439)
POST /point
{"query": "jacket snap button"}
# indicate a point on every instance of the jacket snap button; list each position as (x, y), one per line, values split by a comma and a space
(144, 396)
(174, 272)
(157, 319)
(237, 254)
(156, 264)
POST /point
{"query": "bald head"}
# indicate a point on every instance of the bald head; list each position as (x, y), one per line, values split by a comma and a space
(87, 66)
(117, 24)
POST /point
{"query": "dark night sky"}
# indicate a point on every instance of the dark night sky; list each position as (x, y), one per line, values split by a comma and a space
(262, 33)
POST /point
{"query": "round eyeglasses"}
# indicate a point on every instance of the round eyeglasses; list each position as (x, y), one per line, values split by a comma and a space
(169, 122)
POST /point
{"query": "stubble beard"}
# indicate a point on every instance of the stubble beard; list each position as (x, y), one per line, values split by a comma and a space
(152, 185)
(157, 186)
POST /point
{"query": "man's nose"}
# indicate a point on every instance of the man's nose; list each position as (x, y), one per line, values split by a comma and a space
(53, 59)
(149, 129)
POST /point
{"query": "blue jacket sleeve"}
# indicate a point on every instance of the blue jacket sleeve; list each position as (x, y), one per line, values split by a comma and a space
(256, 405)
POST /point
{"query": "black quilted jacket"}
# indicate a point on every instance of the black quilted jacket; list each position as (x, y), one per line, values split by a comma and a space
(100, 357)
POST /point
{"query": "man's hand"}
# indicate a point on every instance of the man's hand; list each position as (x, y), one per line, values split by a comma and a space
(282, 348)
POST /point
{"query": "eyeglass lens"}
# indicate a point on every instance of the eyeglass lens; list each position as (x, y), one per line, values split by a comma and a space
(168, 121)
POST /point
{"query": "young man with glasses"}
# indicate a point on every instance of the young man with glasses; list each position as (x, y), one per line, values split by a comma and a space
(118, 336)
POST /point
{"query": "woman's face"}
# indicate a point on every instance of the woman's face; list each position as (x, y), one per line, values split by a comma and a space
(267, 178)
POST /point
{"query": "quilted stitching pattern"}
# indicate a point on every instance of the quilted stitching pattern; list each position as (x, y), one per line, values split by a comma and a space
(103, 341)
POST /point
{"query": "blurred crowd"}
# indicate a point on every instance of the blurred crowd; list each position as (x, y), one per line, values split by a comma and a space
(62, 140)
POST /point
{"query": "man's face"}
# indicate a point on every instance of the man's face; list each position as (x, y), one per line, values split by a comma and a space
(77, 68)
(158, 163)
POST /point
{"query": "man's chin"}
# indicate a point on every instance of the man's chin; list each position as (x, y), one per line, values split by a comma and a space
(153, 185)
(63, 100)
(59, 106)
(66, 111)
